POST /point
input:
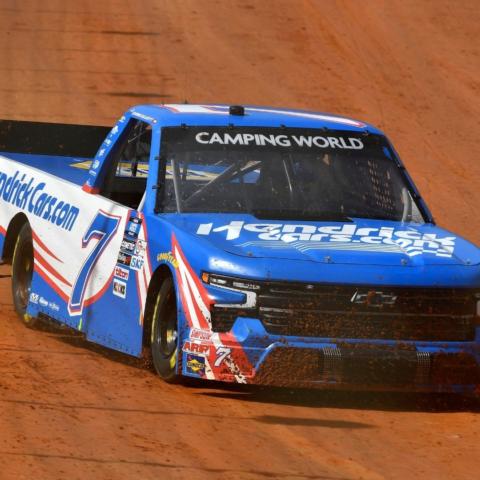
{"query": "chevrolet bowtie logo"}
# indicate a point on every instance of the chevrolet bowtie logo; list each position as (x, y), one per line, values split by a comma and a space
(373, 298)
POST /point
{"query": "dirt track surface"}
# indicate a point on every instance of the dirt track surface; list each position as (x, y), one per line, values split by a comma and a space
(71, 410)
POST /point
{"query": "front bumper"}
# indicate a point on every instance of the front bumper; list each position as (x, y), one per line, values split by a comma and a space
(248, 354)
(370, 367)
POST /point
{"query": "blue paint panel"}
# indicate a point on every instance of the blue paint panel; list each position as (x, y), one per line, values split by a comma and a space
(114, 322)
(101, 322)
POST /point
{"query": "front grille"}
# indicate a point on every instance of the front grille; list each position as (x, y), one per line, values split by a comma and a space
(390, 313)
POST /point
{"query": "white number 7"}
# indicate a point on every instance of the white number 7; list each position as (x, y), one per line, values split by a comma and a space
(222, 353)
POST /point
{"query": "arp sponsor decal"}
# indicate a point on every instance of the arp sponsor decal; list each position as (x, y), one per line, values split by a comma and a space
(195, 365)
(119, 288)
(43, 302)
(346, 237)
(168, 258)
(122, 273)
(128, 246)
(27, 194)
(261, 140)
(124, 259)
(136, 263)
(196, 348)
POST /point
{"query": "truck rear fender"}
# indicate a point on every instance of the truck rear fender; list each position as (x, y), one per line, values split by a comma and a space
(14, 227)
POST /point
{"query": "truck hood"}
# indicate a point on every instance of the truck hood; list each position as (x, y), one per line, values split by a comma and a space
(361, 242)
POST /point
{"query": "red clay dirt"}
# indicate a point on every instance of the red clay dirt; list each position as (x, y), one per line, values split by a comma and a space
(72, 410)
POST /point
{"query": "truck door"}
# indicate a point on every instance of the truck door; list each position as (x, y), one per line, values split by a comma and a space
(117, 320)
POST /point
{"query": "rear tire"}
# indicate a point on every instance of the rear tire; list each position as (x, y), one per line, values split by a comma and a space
(164, 340)
(22, 272)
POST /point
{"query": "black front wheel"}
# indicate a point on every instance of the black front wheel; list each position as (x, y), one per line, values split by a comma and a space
(164, 341)
(22, 272)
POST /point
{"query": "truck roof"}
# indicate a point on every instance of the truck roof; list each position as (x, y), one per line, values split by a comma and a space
(219, 115)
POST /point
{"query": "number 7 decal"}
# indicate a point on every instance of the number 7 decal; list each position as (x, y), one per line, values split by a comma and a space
(103, 228)
(222, 353)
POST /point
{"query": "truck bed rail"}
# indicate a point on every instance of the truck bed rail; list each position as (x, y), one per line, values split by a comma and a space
(55, 139)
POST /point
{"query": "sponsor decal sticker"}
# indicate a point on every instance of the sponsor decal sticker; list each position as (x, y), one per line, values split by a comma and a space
(196, 334)
(142, 116)
(27, 194)
(140, 247)
(34, 297)
(261, 140)
(196, 348)
(122, 273)
(167, 257)
(133, 229)
(346, 237)
(133, 226)
(124, 259)
(119, 288)
(136, 263)
(136, 220)
(43, 302)
(53, 306)
(195, 365)
(128, 246)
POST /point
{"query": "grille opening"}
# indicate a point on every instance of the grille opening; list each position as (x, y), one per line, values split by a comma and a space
(340, 312)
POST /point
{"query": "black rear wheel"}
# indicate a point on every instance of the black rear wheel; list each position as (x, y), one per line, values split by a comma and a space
(22, 272)
(164, 341)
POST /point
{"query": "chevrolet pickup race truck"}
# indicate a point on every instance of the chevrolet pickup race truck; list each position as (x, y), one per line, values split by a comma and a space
(240, 244)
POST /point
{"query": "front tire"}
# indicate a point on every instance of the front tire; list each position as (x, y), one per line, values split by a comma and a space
(22, 272)
(164, 341)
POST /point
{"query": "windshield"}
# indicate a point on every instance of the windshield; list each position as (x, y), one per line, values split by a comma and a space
(285, 173)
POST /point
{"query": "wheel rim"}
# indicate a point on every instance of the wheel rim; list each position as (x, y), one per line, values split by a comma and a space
(168, 335)
(24, 275)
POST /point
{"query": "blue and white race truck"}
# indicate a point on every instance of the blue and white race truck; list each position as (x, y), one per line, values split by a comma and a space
(241, 244)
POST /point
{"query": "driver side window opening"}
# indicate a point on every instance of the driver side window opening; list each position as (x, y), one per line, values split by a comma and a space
(126, 180)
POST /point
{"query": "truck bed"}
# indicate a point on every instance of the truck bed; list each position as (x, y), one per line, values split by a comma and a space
(67, 168)
(63, 150)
